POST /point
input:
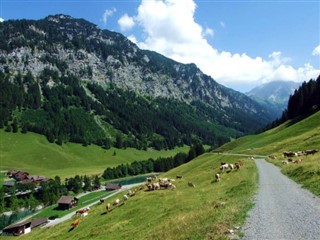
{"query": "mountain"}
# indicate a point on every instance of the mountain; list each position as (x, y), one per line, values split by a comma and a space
(274, 95)
(71, 81)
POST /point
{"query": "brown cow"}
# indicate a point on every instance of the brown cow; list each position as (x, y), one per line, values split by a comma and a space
(75, 223)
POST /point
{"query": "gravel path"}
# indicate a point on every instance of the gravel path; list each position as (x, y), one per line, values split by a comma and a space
(283, 209)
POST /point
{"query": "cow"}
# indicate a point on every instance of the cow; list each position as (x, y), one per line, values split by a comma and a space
(82, 212)
(297, 161)
(102, 200)
(313, 151)
(237, 165)
(116, 202)
(218, 177)
(178, 177)
(125, 198)
(190, 184)
(289, 154)
(223, 167)
(75, 223)
(108, 207)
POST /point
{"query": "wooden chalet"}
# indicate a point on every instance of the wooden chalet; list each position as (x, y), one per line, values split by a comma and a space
(20, 175)
(38, 222)
(113, 186)
(17, 229)
(37, 179)
(67, 202)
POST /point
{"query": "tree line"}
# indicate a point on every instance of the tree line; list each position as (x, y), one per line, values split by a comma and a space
(147, 166)
(304, 101)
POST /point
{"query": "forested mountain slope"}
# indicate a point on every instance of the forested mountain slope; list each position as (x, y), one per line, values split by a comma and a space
(71, 81)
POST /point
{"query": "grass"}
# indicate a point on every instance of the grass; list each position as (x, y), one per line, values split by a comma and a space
(33, 153)
(83, 201)
(296, 137)
(204, 212)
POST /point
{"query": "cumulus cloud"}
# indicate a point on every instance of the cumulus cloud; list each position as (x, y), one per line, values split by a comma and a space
(107, 13)
(316, 51)
(126, 22)
(209, 32)
(1, 19)
(170, 29)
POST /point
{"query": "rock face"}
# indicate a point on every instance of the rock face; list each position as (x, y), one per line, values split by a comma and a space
(274, 95)
(67, 46)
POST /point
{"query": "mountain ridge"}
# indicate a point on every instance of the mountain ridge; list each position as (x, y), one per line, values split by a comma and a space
(274, 95)
(60, 46)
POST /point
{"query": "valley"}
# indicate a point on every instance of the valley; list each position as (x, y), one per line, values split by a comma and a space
(85, 110)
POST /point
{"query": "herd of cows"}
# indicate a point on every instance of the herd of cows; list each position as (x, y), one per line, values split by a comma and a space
(289, 155)
(154, 183)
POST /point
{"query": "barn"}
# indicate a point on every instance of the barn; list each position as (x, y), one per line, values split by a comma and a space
(67, 202)
(17, 229)
(113, 186)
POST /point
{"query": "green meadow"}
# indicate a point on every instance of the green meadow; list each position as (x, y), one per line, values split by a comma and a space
(33, 153)
(207, 211)
(289, 136)
(210, 209)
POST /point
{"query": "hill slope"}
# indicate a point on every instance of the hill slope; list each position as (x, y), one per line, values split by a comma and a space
(206, 211)
(290, 136)
(33, 153)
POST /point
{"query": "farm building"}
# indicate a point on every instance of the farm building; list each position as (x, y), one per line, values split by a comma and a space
(39, 222)
(67, 202)
(17, 229)
(113, 186)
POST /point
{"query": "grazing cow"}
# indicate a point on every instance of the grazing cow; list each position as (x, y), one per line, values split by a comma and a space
(75, 223)
(125, 198)
(190, 184)
(231, 166)
(178, 177)
(223, 167)
(289, 154)
(313, 151)
(237, 165)
(116, 202)
(108, 207)
(82, 212)
(297, 161)
(102, 200)
(218, 177)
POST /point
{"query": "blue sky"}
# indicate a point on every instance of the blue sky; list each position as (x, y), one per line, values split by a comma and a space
(241, 44)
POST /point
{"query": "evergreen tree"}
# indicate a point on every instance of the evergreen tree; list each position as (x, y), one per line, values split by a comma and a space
(87, 183)
(96, 182)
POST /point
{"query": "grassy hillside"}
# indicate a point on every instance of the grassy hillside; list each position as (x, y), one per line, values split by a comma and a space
(33, 153)
(289, 136)
(206, 211)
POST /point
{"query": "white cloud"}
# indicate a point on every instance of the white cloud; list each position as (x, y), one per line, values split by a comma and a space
(170, 29)
(126, 22)
(209, 32)
(133, 39)
(316, 51)
(107, 13)
(222, 24)
(1, 19)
